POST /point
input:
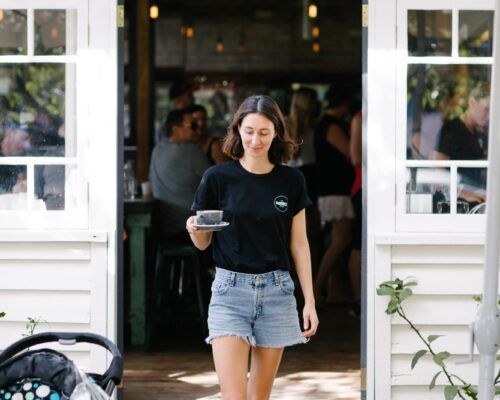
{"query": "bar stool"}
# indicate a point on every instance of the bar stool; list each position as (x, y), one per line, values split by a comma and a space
(174, 261)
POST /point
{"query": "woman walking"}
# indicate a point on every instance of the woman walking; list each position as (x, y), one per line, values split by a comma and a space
(252, 313)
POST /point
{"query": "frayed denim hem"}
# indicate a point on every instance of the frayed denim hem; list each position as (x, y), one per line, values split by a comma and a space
(249, 339)
(302, 340)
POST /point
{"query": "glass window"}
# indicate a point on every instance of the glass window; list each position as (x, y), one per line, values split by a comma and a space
(448, 111)
(447, 114)
(476, 33)
(33, 99)
(38, 151)
(428, 190)
(51, 37)
(429, 32)
(13, 32)
(471, 190)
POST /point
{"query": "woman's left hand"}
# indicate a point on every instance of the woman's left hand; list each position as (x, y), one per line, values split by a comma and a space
(311, 321)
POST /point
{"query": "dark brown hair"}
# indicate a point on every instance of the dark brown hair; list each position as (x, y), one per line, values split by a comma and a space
(282, 147)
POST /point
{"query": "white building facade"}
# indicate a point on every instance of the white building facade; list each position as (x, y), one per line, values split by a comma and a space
(58, 218)
(425, 193)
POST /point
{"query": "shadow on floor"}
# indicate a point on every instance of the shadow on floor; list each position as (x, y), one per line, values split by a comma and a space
(182, 369)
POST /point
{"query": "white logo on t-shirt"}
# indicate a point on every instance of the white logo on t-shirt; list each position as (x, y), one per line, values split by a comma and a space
(281, 203)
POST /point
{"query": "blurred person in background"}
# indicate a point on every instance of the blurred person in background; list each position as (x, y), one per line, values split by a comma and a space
(211, 146)
(181, 94)
(177, 165)
(304, 110)
(335, 175)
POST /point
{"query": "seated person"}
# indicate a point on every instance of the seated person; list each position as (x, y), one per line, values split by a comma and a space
(177, 165)
(16, 142)
(23, 140)
(465, 138)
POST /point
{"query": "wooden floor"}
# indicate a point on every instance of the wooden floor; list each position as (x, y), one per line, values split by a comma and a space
(325, 368)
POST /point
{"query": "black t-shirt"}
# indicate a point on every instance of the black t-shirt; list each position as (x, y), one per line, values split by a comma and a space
(259, 208)
(456, 141)
(335, 171)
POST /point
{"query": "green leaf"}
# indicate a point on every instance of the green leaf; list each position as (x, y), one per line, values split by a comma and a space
(431, 338)
(439, 357)
(405, 293)
(433, 382)
(388, 283)
(450, 392)
(392, 306)
(412, 283)
(2, 314)
(385, 291)
(418, 355)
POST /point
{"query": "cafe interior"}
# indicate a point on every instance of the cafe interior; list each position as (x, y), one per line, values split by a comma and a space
(220, 51)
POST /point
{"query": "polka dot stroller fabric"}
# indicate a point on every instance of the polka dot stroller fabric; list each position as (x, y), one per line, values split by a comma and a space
(38, 375)
(46, 374)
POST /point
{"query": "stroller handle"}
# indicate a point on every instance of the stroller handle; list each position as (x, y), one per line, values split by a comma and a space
(113, 373)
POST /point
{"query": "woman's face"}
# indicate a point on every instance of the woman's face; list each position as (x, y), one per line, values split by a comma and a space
(257, 134)
(479, 110)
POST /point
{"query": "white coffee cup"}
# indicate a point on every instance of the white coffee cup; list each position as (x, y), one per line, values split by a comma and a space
(209, 217)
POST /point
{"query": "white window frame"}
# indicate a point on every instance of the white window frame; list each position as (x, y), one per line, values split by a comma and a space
(76, 105)
(406, 222)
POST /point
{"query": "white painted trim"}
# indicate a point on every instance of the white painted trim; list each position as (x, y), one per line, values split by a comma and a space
(38, 59)
(382, 338)
(447, 4)
(449, 60)
(419, 239)
(38, 161)
(53, 236)
(98, 301)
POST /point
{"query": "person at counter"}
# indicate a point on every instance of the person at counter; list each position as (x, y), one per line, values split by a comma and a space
(177, 165)
(465, 138)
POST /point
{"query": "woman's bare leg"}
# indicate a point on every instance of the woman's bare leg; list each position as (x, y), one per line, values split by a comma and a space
(263, 368)
(231, 364)
(341, 238)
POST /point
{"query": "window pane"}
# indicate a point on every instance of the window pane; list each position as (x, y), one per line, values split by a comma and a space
(471, 190)
(13, 187)
(476, 33)
(55, 32)
(33, 102)
(448, 111)
(13, 32)
(49, 185)
(428, 190)
(429, 33)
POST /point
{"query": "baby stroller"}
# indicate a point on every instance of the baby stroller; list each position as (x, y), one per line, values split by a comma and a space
(47, 374)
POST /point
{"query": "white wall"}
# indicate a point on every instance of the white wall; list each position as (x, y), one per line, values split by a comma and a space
(68, 277)
(447, 265)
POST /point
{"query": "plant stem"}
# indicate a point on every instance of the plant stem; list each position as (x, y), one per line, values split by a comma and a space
(401, 313)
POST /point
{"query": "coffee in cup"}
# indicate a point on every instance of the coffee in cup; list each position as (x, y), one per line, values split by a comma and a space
(209, 217)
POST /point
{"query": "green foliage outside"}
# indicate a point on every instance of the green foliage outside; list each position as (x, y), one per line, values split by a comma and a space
(444, 88)
(400, 290)
(36, 89)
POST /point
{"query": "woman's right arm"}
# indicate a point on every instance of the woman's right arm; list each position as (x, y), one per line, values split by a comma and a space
(201, 239)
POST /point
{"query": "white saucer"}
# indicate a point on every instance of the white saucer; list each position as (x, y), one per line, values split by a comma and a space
(215, 227)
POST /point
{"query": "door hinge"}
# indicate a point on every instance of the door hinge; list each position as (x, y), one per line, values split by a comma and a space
(364, 15)
(120, 16)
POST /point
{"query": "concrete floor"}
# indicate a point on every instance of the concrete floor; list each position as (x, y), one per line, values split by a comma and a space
(325, 368)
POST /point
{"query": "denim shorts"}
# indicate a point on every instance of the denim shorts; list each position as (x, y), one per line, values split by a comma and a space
(258, 308)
